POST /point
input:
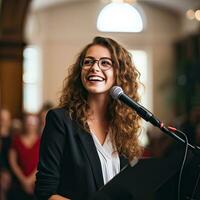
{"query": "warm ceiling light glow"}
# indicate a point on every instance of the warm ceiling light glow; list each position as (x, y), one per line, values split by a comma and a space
(130, 1)
(190, 14)
(119, 17)
(117, 1)
(197, 15)
(124, 1)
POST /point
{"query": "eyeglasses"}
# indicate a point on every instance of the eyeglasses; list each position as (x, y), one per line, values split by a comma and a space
(104, 63)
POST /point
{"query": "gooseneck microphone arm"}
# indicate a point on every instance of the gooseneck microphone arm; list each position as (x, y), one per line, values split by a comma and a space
(117, 93)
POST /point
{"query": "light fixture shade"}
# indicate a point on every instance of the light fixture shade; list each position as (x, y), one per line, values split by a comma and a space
(119, 17)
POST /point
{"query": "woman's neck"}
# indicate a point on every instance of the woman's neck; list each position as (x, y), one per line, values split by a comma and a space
(98, 119)
(98, 105)
(30, 133)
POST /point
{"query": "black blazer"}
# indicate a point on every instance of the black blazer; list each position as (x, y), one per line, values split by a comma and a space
(69, 164)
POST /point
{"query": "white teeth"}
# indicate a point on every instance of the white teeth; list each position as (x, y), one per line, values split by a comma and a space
(95, 78)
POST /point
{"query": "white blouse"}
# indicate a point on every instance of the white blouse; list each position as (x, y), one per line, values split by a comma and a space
(110, 163)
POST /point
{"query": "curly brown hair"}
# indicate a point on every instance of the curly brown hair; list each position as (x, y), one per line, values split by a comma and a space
(124, 123)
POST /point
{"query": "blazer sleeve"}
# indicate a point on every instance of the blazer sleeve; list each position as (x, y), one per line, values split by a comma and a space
(51, 151)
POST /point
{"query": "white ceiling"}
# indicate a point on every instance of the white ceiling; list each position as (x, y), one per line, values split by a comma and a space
(175, 5)
(40, 4)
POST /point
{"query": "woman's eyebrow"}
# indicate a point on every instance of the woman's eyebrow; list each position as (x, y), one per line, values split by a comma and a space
(99, 58)
(90, 57)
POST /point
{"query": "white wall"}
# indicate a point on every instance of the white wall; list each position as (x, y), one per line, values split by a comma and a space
(63, 30)
(189, 26)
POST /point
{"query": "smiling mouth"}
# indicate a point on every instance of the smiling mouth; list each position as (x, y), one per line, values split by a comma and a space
(95, 78)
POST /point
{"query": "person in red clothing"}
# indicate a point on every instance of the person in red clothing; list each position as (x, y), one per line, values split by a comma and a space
(23, 158)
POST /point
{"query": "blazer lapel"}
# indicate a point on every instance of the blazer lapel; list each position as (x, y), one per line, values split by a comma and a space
(92, 155)
(123, 162)
(90, 149)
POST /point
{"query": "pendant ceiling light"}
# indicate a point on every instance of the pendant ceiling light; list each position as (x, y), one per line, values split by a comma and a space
(119, 17)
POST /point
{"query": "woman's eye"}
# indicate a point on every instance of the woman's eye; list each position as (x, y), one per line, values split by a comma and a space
(87, 62)
(106, 62)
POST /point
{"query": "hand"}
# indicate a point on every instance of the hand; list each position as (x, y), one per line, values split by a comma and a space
(57, 197)
(28, 185)
(5, 180)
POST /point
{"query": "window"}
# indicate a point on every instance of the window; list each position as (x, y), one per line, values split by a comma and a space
(119, 17)
(140, 60)
(32, 74)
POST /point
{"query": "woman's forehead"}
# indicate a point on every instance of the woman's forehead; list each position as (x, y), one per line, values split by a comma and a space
(98, 51)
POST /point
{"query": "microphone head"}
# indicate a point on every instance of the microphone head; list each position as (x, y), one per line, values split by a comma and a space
(116, 92)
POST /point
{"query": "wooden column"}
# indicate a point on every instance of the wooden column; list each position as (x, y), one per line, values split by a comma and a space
(12, 17)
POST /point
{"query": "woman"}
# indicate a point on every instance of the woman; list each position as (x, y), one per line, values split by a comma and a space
(23, 158)
(90, 137)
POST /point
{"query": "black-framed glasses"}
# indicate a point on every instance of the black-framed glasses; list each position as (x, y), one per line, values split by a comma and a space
(104, 63)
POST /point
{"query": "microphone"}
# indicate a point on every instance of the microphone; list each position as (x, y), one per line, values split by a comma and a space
(117, 93)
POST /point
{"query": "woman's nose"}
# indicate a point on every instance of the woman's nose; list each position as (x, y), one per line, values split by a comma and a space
(95, 67)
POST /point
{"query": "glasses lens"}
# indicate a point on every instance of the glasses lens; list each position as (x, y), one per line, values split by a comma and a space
(105, 63)
(88, 62)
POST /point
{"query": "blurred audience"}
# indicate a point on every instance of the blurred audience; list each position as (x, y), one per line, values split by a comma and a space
(19, 152)
(158, 143)
(23, 158)
(197, 136)
(189, 125)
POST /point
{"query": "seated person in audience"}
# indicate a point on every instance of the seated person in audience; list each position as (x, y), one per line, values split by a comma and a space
(5, 142)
